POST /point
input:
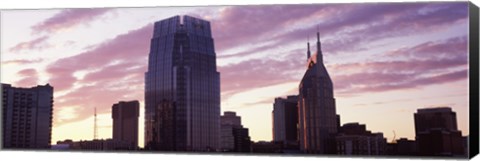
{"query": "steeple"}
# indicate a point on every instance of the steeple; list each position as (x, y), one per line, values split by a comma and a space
(308, 50)
(319, 49)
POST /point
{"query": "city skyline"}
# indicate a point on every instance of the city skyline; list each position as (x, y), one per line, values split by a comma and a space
(269, 50)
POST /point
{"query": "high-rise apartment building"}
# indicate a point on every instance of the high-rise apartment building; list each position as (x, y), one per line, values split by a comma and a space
(125, 122)
(182, 87)
(285, 120)
(27, 116)
(316, 107)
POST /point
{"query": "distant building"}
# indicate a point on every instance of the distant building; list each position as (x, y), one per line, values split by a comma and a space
(436, 132)
(242, 141)
(402, 147)
(354, 139)
(182, 87)
(233, 136)
(267, 147)
(27, 116)
(95, 145)
(125, 121)
(230, 118)
(316, 107)
(285, 120)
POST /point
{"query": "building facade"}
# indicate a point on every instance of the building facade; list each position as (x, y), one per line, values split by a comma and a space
(436, 132)
(233, 137)
(27, 116)
(316, 107)
(285, 120)
(182, 87)
(125, 122)
(354, 139)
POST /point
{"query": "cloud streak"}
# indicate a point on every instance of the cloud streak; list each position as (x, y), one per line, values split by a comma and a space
(68, 18)
(39, 43)
(429, 63)
(22, 61)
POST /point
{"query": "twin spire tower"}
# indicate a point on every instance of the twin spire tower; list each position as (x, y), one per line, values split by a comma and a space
(317, 118)
(319, 49)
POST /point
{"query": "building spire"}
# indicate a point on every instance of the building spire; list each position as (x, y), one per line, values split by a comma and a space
(308, 50)
(95, 130)
(319, 48)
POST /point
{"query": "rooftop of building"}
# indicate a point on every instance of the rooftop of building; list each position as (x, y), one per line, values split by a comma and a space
(434, 109)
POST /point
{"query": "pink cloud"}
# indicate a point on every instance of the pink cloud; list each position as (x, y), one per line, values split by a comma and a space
(29, 78)
(69, 18)
(39, 43)
(22, 61)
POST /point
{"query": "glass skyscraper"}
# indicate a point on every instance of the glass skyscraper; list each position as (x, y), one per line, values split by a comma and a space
(316, 107)
(182, 87)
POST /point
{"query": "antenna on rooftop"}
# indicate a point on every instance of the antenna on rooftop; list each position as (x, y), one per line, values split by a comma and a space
(95, 132)
(394, 136)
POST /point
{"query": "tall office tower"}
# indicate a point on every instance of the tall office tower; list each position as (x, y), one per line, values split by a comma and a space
(316, 107)
(233, 137)
(27, 116)
(285, 120)
(182, 87)
(436, 132)
(125, 122)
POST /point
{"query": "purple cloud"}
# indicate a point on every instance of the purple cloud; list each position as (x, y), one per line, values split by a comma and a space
(125, 47)
(68, 18)
(116, 70)
(39, 43)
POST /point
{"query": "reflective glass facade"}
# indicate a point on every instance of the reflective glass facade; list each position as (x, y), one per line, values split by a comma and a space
(182, 87)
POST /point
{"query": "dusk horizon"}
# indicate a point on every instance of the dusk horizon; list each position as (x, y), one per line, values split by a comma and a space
(386, 61)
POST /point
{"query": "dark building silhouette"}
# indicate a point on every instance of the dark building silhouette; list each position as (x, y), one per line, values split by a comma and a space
(125, 122)
(354, 139)
(233, 137)
(436, 132)
(182, 87)
(27, 116)
(316, 107)
(95, 145)
(285, 120)
(241, 139)
(267, 147)
(402, 147)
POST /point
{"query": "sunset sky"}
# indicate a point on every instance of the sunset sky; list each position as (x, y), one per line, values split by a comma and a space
(386, 60)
